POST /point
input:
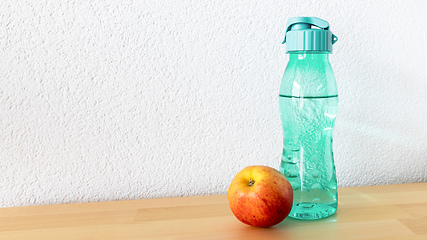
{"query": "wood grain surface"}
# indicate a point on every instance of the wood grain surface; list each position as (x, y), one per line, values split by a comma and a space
(389, 212)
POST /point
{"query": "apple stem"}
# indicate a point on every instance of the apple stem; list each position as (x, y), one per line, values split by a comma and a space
(251, 182)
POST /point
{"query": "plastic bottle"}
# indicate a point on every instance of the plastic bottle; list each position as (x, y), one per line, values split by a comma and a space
(308, 106)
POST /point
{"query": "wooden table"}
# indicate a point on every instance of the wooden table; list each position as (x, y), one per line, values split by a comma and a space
(373, 212)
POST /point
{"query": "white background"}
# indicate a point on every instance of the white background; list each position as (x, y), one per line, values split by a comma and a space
(109, 100)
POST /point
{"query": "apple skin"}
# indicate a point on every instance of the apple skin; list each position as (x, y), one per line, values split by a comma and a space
(266, 203)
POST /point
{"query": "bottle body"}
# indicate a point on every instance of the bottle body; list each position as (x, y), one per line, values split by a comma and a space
(308, 107)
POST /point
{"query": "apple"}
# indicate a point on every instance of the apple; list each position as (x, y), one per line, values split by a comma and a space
(260, 196)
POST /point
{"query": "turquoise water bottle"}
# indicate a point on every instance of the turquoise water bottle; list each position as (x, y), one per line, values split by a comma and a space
(308, 106)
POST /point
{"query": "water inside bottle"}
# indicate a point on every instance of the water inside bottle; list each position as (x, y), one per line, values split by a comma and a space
(307, 159)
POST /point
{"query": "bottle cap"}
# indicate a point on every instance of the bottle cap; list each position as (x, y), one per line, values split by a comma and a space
(308, 34)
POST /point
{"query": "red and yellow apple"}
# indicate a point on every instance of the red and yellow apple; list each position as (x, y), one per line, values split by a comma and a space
(260, 196)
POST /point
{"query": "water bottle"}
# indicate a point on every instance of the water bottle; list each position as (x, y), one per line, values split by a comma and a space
(308, 104)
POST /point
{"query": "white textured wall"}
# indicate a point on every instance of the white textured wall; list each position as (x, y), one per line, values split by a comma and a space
(106, 100)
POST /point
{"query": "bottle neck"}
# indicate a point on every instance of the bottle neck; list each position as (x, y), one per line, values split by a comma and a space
(309, 56)
(308, 73)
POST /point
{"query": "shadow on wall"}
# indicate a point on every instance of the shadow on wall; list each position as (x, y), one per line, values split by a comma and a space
(384, 131)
